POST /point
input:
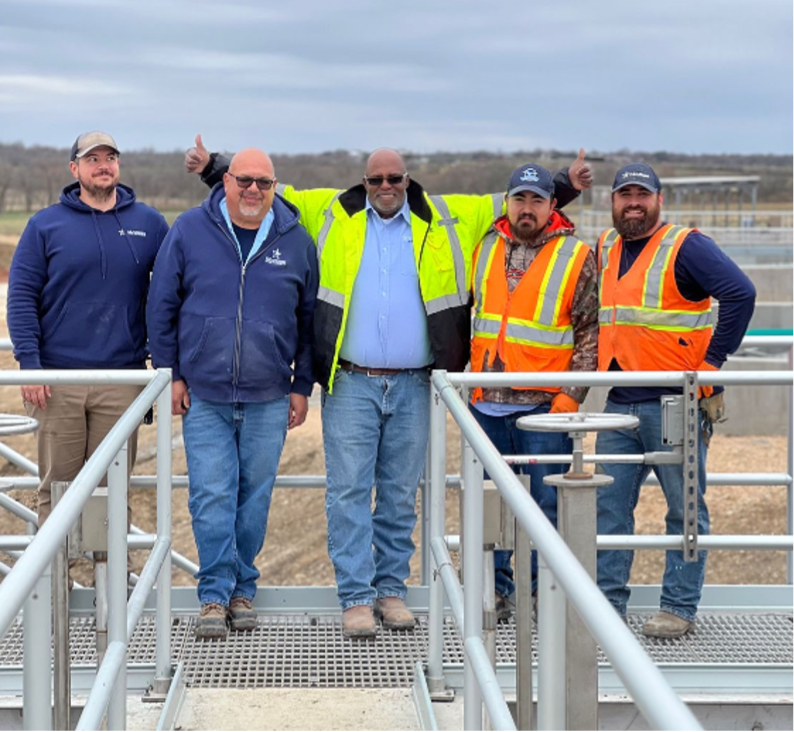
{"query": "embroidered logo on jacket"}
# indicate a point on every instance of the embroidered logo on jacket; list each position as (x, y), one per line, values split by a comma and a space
(132, 232)
(275, 258)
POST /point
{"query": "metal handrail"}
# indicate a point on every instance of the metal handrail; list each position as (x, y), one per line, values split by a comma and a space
(109, 691)
(650, 690)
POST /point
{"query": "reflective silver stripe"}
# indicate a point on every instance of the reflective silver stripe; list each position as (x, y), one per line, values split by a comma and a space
(445, 302)
(482, 263)
(332, 297)
(608, 242)
(605, 316)
(665, 318)
(653, 281)
(452, 234)
(554, 283)
(483, 325)
(329, 219)
(539, 335)
(497, 199)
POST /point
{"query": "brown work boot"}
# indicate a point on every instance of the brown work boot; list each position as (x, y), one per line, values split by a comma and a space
(358, 622)
(394, 614)
(667, 625)
(242, 614)
(212, 621)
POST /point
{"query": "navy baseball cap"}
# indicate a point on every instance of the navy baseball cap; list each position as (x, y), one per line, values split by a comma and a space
(637, 174)
(533, 178)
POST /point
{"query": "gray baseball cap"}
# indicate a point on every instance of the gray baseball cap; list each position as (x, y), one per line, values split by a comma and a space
(88, 141)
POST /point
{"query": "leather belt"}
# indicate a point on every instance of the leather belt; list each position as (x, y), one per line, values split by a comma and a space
(348, 366)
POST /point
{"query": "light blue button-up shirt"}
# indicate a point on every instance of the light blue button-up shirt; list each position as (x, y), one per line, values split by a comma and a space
(387, 325)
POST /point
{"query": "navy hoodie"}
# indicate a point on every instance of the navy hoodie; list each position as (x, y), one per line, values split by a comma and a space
(78, 284)
(233, 332)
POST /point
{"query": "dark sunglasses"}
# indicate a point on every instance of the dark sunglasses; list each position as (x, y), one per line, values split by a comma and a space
(244, 181)
(376, 181)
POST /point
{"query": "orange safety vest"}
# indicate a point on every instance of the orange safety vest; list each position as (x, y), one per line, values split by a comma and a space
(529, 328)
(644, 321)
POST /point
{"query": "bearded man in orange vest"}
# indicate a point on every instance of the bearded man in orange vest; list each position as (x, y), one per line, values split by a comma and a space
(535, 309)
(656, 281)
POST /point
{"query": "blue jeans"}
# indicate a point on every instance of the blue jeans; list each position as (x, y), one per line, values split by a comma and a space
(375, 432)
(232, 453)
(510, 440)
(683, 581)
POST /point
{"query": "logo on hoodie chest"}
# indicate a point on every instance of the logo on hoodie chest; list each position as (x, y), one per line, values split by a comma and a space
(275, 258)
(132, 232)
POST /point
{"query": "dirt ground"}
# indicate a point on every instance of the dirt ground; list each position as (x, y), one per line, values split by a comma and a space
(295, 548)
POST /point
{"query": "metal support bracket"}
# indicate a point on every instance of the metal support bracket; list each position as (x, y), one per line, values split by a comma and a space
(691, 468)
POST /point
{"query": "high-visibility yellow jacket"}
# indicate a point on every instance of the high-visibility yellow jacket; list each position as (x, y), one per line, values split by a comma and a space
(645, 323)
(445, 231)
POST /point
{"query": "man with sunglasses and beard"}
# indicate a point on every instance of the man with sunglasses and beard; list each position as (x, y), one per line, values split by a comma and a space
(394, 301)
(76, 299)
(230, 312)
(656, 281)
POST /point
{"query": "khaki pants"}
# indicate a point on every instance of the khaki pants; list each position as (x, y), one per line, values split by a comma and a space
(76, 420)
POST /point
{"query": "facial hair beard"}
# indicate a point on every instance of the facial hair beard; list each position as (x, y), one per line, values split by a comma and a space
(250, 210)
(98, 192)
(526, 236)
(636, 227)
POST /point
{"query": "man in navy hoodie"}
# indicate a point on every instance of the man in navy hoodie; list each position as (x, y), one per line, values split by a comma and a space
(76, 300)
(230, 311)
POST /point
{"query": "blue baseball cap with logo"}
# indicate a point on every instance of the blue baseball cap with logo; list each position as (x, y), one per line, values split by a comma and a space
(532, 178)
(637, 174)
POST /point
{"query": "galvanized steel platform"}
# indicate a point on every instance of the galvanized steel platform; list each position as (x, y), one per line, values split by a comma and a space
(309, 651)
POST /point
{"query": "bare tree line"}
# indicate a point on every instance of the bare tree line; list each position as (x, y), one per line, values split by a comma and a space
(32, 177)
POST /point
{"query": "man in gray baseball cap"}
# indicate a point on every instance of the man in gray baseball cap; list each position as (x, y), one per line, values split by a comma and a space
(77, 286)
(89, 141)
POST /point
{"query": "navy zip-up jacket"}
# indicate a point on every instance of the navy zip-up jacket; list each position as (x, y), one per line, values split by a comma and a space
(233, 332)
(78, 284)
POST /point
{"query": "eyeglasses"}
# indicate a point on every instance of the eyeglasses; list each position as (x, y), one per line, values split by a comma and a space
(376, 181)
(244, 181)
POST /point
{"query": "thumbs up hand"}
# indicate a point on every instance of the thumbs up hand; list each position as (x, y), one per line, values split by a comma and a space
(580, 174)
(196, 158)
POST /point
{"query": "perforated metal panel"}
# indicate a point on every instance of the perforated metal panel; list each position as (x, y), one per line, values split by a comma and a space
(304, 651)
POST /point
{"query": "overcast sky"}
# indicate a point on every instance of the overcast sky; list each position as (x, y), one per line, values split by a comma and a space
(313, 75)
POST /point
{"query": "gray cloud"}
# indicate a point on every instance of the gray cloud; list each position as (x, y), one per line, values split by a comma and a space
(683, 76)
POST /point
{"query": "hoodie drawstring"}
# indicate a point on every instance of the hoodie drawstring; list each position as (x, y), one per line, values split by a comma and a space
(103, 261)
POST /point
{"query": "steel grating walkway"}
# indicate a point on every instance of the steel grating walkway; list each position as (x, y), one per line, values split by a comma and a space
(303, 651)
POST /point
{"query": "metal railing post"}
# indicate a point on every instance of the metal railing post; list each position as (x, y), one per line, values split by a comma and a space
(426, 561)
(62, 696)
(472, 579)
(117, 581)
(523, 619)
(552, 625)
(437, 491)
(789, 499)
(37, 672)
(163, 627)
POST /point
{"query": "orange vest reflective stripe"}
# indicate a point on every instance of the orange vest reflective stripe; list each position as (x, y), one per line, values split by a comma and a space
(530, 329)
(644, 321)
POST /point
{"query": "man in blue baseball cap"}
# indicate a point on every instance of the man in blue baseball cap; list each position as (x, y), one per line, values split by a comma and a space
(656, 284)
(534, 278)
